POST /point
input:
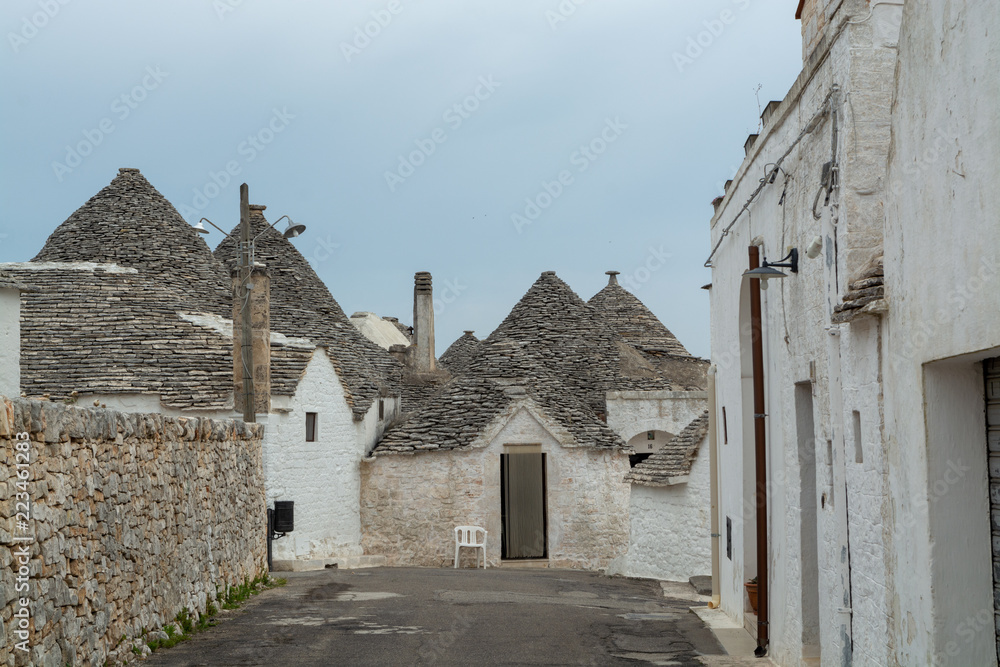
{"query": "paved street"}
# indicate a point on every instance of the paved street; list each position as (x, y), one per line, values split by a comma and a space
(400, 616)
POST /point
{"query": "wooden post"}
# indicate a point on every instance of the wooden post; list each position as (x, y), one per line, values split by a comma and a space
(246, 348)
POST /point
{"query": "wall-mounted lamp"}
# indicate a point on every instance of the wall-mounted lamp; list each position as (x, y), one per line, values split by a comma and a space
(768, 270)
(200, 228)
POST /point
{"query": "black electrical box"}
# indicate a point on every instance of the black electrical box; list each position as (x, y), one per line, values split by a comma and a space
(284, 516)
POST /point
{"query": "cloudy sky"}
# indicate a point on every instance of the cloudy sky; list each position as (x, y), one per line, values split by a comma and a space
(484, 142)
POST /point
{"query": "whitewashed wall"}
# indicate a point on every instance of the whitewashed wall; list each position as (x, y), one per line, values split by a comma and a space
(634, 412)
(10, 342)
(943, 243)
(669, 536)
(321, 477)
(822, 475)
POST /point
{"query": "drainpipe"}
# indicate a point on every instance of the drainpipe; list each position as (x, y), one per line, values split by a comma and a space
(760, 456)
(713, 455)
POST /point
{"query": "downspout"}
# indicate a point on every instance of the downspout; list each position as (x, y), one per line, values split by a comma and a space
(713, 457)
(838, 445)
(760, 456)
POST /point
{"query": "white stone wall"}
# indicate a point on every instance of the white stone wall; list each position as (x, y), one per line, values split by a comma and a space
(412, 502)
(838, 373)
(10, 342)
(634, 412)
(322, 478)
(670, 532)
(943, 244)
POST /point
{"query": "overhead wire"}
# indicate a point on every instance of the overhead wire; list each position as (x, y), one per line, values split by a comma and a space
(808, 129)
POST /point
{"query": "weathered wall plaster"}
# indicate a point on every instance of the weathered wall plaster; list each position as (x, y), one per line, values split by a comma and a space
(943, 243)
(844, 45)
(322, 478)
(10, 342)
(669, 537)
(634, 412)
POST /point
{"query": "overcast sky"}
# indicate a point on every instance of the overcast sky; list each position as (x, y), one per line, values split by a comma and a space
(484, 142)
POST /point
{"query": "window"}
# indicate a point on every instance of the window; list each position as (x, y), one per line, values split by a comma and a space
(725, 428)
(381, 408)
(310, 427)
(859, 456)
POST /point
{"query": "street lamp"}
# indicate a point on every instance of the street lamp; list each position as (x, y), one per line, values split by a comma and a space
(767, 271)
(247, 252)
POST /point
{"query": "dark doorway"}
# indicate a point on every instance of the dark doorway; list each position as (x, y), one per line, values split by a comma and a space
(522, 501)
(991, 371)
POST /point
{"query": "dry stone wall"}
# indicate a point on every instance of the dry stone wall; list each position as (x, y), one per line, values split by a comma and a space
(133, 517)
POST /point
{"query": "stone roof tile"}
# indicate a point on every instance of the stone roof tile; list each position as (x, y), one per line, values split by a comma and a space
(456, 358)
(104, 330)
(635, 323)
(564, 355)
(129, 223)
(463, 408)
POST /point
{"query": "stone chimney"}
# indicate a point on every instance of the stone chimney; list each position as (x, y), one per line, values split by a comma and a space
(423, 322)
(10, 337)
(612, 277)
(260, 338)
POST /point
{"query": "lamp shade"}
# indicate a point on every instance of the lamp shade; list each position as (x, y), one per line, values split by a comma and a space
(293, 229)
(764, 273)
(200, 228)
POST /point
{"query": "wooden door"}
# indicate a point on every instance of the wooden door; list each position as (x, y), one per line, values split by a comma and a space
(523, 505)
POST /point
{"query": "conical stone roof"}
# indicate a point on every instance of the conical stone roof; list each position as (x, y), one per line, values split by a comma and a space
(631, 320)
(456, 358)
(562, 355)
(302, 307)
(129, 223)
(553, 335)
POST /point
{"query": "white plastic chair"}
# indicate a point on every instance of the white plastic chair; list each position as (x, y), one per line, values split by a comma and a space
(469, 536)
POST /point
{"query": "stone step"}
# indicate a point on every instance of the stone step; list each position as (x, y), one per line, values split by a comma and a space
(342, 563)
(360, 562)
(526, 563)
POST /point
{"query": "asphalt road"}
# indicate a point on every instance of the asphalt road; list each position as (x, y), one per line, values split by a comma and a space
(404, 616)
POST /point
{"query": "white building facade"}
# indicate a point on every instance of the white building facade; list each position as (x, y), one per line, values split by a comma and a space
(875, 392)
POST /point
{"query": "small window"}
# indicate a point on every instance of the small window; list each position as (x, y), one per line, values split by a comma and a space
(859, 456)
(725, 428)
(310, 427)
(381, 408)
(650, 435)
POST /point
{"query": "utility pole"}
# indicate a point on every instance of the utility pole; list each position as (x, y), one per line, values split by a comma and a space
(246, 351)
